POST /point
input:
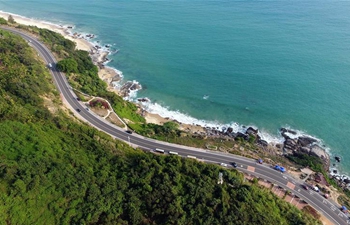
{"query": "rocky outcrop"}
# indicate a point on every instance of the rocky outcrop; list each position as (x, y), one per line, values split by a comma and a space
(304, 145)
(128, 87)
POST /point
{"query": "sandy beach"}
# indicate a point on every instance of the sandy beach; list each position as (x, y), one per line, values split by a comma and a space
(99, 57)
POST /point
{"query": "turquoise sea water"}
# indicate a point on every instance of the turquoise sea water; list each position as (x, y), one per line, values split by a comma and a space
(263, 63)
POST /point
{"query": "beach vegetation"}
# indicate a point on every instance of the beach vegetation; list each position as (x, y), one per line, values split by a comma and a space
(3, 21)
(10, 19)
(56, 170)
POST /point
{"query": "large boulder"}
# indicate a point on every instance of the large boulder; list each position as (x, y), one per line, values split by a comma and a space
(229, 130)
(241, 135)
(306, 141)
(251, 131)
(322, 154)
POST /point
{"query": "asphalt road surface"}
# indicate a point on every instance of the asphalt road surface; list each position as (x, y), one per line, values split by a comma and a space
(248, 166)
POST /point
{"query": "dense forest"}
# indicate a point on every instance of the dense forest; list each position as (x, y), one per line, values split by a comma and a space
(57, 170)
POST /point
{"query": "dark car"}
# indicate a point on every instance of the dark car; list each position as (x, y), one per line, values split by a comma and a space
(305, 186)
(78, 110)
(234, 164)
(129, 131)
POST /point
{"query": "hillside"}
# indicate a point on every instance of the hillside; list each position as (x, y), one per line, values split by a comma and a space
(57, 170)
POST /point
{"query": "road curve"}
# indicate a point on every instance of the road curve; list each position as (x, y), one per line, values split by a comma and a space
(327, 208)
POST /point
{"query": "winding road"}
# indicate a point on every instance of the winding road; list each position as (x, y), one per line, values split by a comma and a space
(328, 208)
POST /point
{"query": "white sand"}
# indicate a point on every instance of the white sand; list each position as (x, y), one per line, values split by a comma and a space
(82, 44)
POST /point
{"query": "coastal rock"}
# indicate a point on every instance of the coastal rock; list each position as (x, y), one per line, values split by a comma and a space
(229, 130)
(263, 143)
(337, 158)
(306, 141)
(143, 100)
(305, 150)
(285, 130)
(251, 131)
(322, 154)
(241, 135)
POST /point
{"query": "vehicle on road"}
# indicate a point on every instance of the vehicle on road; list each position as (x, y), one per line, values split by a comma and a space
(173, 153)
(305, 186)
(234, 164)
(78, 110)
(326, 195)
(316, 189)
(280, 168)
(50, 65)
(260, 161)
(344, 209)
(128, 131)
(160, 150)
(87, 108)
(223, 164)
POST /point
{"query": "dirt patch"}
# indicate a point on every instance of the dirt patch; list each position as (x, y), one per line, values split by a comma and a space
(115, 120)
(48, 103)
(100, 112)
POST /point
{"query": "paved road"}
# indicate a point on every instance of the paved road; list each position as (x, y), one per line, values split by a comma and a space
(326, 207)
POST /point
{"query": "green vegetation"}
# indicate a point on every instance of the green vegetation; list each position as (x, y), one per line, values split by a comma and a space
(315, 163)
(85, 76)
(54, 170)
(10, 19)
(3, 21)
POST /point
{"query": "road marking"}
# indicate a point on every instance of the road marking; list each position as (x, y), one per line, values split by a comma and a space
(250, 168)
(340, 214)
(324, 201)
(299, 190)
(311, 192)
(290, 185)
(285, 177)
(333, 208)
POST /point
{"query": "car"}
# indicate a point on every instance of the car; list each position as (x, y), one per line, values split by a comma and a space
(78, 110)
(260, 161)
(280, 168)
(87, 108)
(326, 195)
(128, 131)
(223, 164)
(78, 99)
(305, 186)
(234, 164)
(316, 189)
(50, 65)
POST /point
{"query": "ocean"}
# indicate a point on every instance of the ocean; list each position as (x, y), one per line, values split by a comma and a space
(269, 64)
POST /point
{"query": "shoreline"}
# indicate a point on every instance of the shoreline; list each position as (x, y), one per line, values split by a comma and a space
(113, 78)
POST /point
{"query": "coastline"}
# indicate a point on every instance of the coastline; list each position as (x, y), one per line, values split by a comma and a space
(111, 76)
(113, 79)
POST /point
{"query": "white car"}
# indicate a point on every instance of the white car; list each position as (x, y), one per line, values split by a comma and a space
(223, 164)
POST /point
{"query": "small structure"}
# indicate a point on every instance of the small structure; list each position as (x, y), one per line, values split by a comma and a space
(221, 180)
